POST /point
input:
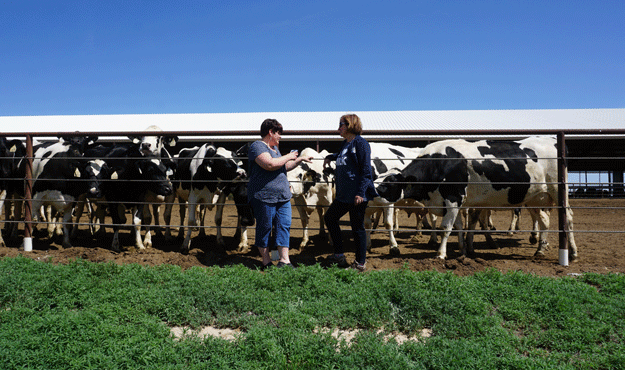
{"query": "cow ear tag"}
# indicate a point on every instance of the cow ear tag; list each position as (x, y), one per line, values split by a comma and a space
(13, 149)
(114, 176)
(76, 173)
(169, 173)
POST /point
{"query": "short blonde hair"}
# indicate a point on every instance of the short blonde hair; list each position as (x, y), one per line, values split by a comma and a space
(353, 123)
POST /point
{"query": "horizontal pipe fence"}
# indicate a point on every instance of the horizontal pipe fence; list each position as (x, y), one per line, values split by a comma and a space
(293, 138)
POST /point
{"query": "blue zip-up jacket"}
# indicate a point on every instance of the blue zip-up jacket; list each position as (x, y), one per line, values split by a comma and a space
(353, 171)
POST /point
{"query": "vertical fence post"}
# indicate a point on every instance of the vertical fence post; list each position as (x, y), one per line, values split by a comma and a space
(28, 186)
(562, 201)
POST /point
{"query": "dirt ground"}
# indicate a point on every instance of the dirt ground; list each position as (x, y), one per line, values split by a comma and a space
(598, 224)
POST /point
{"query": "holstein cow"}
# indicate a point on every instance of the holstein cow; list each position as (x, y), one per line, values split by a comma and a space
(11, 152)
(132, 177)
(312, 189)
(201, 172)
(387, 160)
(59, 179)
(451, 174)
(154, 146)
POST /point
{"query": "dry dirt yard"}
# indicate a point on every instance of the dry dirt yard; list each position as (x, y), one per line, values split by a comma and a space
(598, 223)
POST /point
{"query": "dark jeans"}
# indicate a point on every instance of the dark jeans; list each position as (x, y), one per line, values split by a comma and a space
(357, 220)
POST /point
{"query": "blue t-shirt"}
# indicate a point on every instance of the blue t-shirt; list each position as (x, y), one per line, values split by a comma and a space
(266, 186)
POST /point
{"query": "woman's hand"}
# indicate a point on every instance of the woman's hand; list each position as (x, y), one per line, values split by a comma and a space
(358, 199)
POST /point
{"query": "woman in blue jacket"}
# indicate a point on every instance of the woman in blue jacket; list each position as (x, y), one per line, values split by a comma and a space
(354, 189)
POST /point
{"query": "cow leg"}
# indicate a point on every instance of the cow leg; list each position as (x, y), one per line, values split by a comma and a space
(169, 204)
(136, 221)
(219, 218)
(304, 218)
(97, 220)
(118, 215)
(157, 220)
(573, 256)
(191, 205)
(472, 220)
(447, 225)
(486, 223)
(17, 216)
(201, 212)
(51, 221)
(514, 222)
(80, 208)
(433, 234)
(146, 219)
(389, 218)
(535, 215)
(461, 244)
(182, 210)
(243, 244)
(67, 220)
(542, 218)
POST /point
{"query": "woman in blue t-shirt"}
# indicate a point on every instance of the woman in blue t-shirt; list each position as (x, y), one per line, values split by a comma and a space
(354, 189)
(269, 193)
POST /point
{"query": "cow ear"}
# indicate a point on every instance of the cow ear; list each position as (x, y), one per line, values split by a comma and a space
(211, 151)
(170, 140)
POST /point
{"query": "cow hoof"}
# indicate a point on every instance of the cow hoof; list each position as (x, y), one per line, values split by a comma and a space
(533, 239)
(441, 257)
(66, 245)
(539, 255)
(243, 248)
(394, 251)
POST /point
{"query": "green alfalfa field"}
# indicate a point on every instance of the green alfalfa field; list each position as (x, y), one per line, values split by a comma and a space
(85, 315)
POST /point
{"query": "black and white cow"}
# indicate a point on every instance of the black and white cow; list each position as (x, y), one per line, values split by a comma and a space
(152, 145)
(132, 177)
(59, 179)
(202, 172)
(312, 190)
(11, 152)
(454, 174)
(155, 146)
(387, 160)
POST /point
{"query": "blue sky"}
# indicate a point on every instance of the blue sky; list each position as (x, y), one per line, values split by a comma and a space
(135, 57)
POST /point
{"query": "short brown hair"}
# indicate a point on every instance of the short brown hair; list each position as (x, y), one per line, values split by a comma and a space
(353, 123)
(270, 124)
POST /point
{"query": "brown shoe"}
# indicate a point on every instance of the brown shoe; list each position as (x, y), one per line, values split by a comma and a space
(357, 266)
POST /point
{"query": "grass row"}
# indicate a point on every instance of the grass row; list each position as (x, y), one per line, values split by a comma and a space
(93, 316)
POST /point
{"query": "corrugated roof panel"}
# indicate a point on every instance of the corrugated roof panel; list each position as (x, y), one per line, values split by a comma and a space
(306, 121)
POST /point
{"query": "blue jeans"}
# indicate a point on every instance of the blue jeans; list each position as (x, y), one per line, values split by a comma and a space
(276, 216)
(357, 220)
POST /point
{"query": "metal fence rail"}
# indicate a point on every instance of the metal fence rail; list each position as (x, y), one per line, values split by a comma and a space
(321, 136)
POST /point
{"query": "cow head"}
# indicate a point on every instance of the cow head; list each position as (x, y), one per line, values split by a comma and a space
(154, 173)
(151, 145)
(392, 187)
(96, 171)
(77, 145)
(223, 165)
(11, 151)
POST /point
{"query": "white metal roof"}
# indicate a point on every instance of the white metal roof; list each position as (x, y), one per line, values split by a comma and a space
(304, 121)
